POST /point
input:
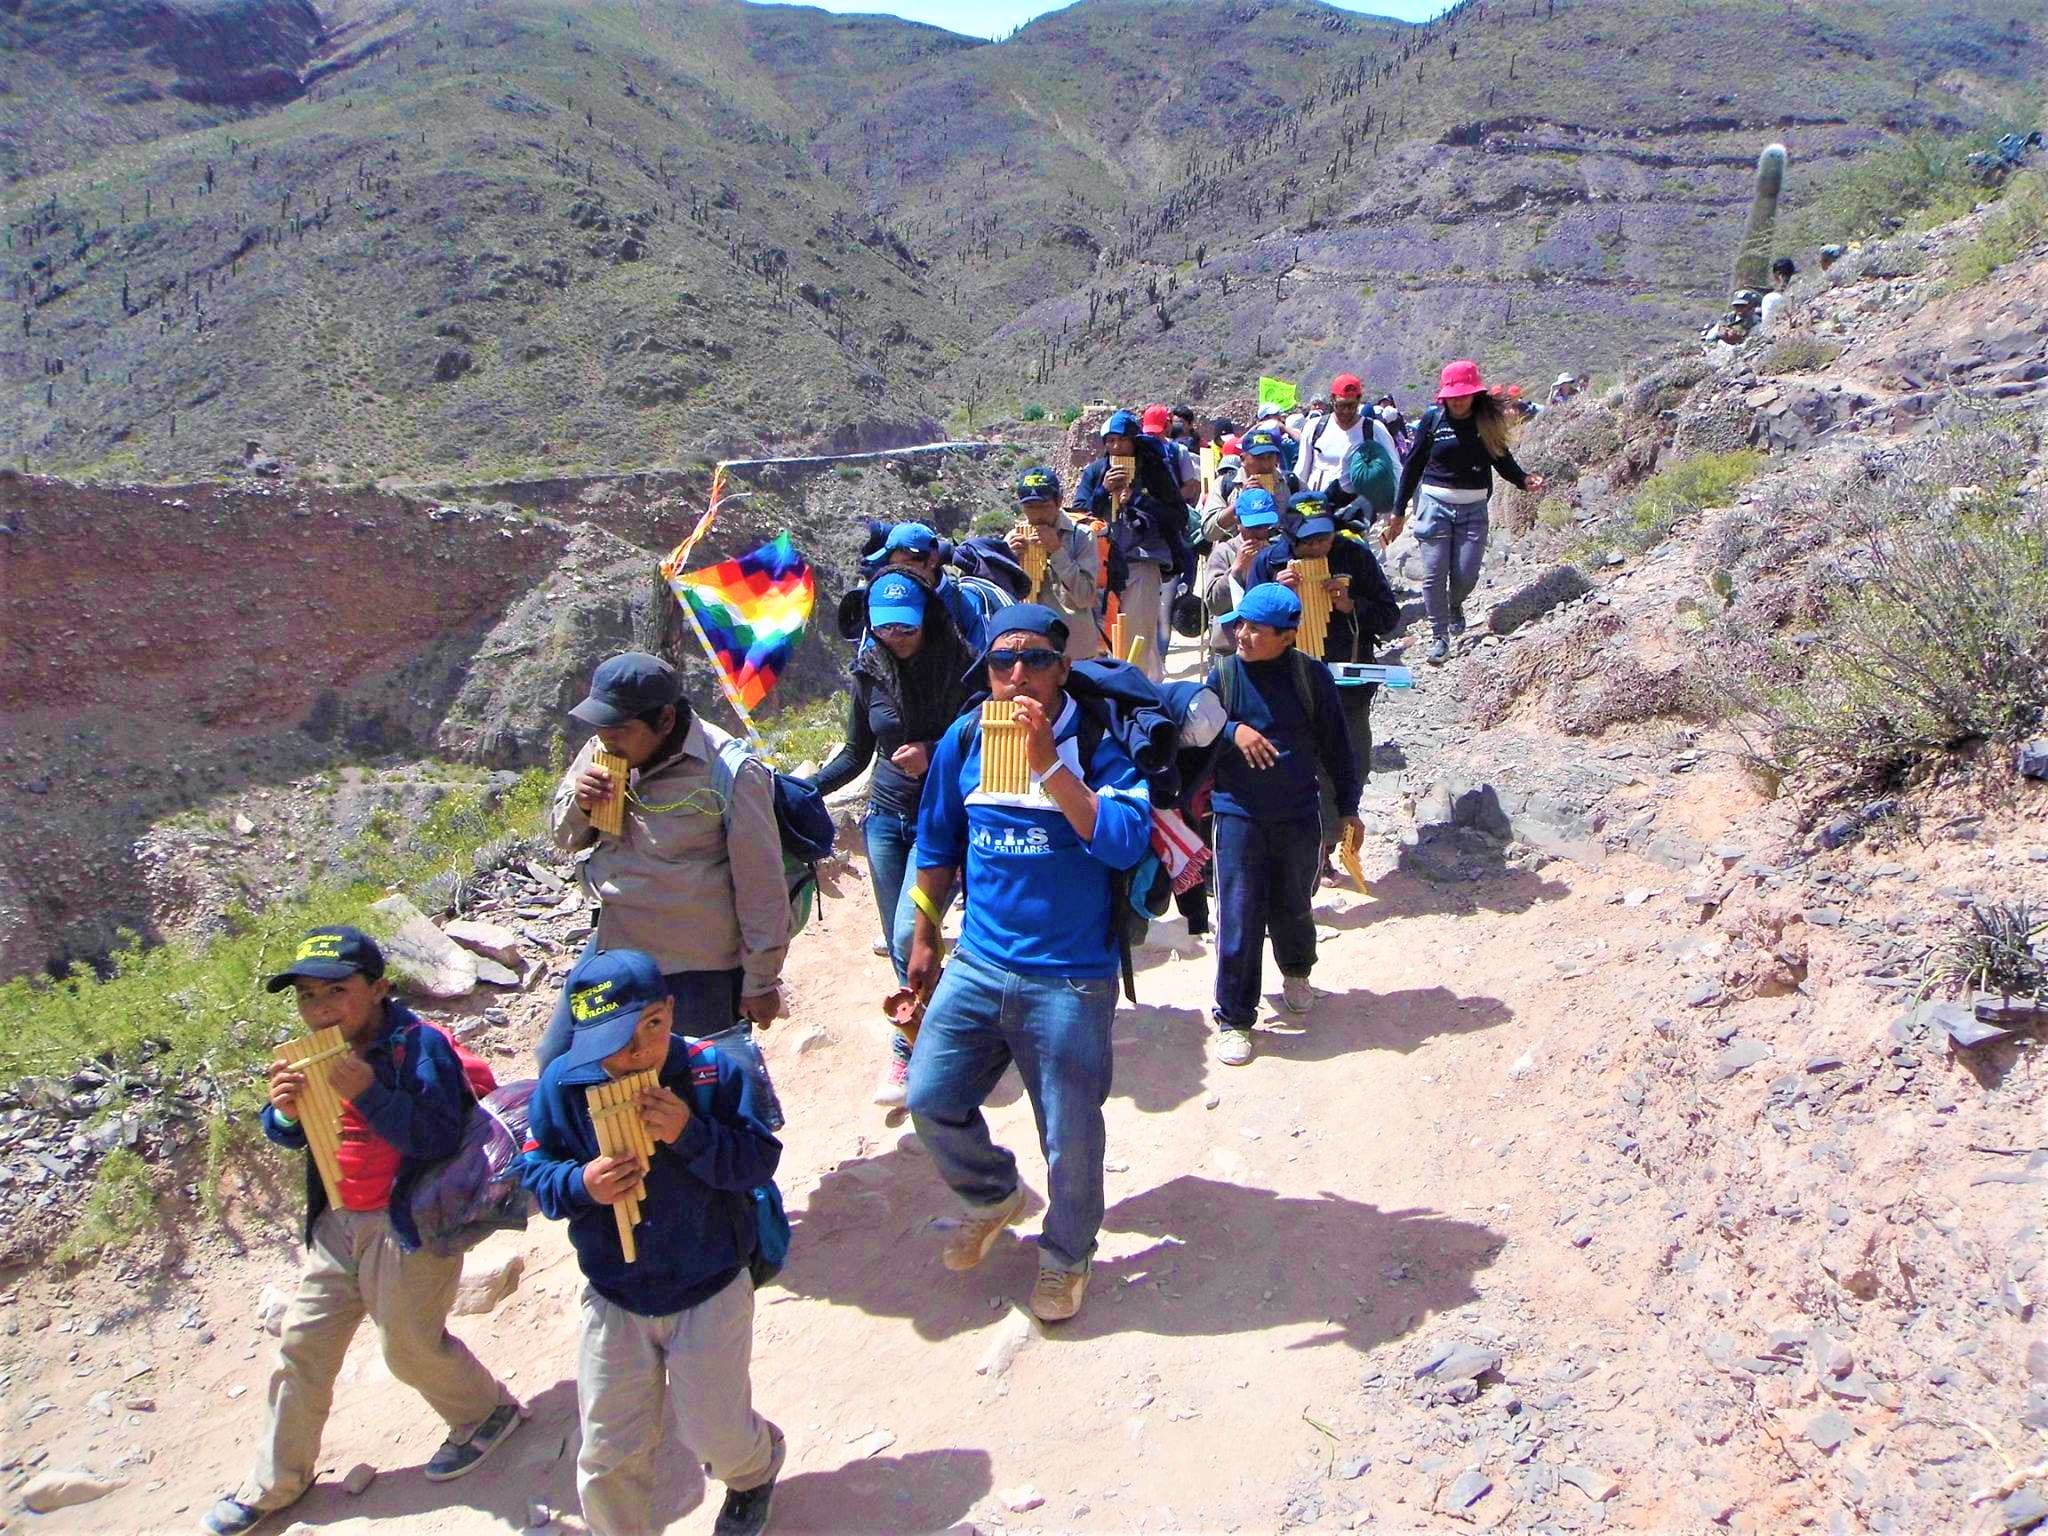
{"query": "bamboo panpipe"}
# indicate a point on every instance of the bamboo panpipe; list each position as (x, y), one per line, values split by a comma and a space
(1033, 560)
(615, 1115)
(1267, 481)
(319, 1105)
(1312, 587)
(1116, 635)
(1347, 852)
(1003, 769)
(1128, 463)
(609, 814)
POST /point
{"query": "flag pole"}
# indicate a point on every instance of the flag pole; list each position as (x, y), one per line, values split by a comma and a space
(725, 683)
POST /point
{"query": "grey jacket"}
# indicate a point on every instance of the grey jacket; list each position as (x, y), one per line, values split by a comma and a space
(1069, 588)
(695, 884)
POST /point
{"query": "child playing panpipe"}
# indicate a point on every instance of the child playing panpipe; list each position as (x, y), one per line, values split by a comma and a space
(402, 1098)
(669, 1332)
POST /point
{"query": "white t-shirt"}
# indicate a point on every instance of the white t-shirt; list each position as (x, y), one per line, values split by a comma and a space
(1318, 471)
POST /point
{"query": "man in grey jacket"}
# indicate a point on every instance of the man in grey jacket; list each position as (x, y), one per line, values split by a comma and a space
(1068, 585)
(695, 879)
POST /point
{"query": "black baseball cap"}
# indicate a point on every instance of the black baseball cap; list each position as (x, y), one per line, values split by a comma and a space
(625, 687)
(329, 954)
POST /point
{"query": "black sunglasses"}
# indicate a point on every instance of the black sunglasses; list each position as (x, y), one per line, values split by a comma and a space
(1037, 659)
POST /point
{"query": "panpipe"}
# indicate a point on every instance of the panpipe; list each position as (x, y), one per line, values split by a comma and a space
(609, 814)
(1033, 560)
(615, 1114)
(1003, 768)
(1312, 587)
(319, 1106)
(1116, 635)
(1348, 854)
(1268, 481)
(1128, 463)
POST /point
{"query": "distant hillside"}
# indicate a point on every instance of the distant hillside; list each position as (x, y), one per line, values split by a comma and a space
(506, 237)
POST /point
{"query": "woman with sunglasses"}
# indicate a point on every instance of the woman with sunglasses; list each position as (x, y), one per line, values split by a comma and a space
(907, 688)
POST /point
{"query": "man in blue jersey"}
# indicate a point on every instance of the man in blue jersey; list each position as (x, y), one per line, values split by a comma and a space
(1033, 979)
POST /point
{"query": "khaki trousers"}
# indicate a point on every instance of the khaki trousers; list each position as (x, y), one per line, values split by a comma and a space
(636, 1374)
(356, 1268)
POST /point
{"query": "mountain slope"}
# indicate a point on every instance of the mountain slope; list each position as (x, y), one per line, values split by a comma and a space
(511, 237)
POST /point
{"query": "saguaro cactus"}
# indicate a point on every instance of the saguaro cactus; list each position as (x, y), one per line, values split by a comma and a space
(1753, 260)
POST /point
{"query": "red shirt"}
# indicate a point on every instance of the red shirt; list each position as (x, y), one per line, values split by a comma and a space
(369, 1163)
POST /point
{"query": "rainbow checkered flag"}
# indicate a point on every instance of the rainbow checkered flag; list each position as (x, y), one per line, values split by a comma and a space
(750, 613)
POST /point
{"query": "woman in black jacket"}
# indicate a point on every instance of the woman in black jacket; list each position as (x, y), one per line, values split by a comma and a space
(907, 688)
(1459, 444)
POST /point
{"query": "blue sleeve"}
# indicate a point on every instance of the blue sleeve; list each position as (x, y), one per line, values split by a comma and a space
(548, 1164)
(293, 1135)
(1123, 807)
(941, 808)
(1333, 741)
(423, 1115)
(1088, 493)
(1271, 562)
(729, 1148)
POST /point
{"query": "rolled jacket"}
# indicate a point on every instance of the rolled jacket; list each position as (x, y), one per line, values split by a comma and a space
(695, 882)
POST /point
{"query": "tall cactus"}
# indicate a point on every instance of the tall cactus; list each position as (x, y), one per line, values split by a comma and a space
(1753, 260)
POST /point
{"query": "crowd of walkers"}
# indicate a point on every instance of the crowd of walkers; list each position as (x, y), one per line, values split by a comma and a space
(1063, 794)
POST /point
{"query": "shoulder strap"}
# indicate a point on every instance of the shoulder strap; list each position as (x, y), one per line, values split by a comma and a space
(1304, 685)
(733, 754)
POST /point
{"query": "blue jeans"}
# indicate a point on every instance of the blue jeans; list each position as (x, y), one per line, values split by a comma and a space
(1266, 875)
(1451, 559)
(1056, 1029)
(706, 1002)
(890, 839)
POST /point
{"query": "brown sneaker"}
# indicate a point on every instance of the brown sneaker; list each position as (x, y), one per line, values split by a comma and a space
(1057, 1294)
(971, 1241)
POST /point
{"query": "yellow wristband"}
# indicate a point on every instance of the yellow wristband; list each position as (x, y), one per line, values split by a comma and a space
(927, 906)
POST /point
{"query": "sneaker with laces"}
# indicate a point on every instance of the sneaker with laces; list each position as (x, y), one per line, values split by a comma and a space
(893, 1090)
(1231, 1047)
(230, 1517)
(457, 1457)
(1439, 651)
(745, 1511)
(1056, 1295)
(970, 1243)
(1297, 994)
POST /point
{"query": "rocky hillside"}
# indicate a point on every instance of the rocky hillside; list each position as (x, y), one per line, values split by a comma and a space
(510, 239)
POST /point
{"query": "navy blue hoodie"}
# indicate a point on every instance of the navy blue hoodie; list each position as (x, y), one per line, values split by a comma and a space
(696, 1225)
(419, 1107)
(1271, 705)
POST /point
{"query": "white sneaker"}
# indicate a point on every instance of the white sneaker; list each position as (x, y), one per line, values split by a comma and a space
(973, 1238)
(1296, 994)
(1231, 1047)
(892, 1090)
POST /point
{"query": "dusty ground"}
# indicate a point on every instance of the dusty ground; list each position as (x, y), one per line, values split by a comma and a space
(1502, 1128)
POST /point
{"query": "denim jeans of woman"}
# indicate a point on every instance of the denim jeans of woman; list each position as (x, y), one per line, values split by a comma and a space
(1450, 559)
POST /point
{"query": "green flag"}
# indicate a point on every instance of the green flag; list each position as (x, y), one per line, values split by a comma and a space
(1276, 394)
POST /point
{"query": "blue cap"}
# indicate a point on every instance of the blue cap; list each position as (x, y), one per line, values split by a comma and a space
(1315, 527)
(1123, 424)
(607, 992)
(1256, 508)
(630, 684)
(1028, 618)
(1259, 440)
(329, 954)
(915, 537)
(1038, 484)
(895, 598)
(1268, 603)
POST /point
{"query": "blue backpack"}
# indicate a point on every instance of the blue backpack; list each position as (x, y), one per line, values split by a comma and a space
(801, 821)
(760, 1225)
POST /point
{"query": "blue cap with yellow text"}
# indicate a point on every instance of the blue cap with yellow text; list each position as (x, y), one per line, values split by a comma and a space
(608, 991)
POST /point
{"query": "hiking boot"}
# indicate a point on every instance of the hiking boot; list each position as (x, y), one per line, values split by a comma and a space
(1056, 1295)
(1231, 1047)
(230, 1517)
(745, 1513)
(1438, 652)
(893, 1090)
(970, 1244)
(458, 1457)
(1296, 994)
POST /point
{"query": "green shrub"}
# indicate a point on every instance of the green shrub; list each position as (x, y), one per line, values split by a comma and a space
(1691, 485)
(1797, 354)
(1032, 413)
(849, 471)
(122, 1204)
(1942, 643)
(805, 733)
(1920, 181)
(2018, 224)
(1069, 415)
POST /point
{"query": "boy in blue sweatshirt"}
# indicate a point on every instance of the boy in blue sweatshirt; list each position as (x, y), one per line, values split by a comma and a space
(672, 1334)
(1033, 979)
(1285, 718)
(404, 1100)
